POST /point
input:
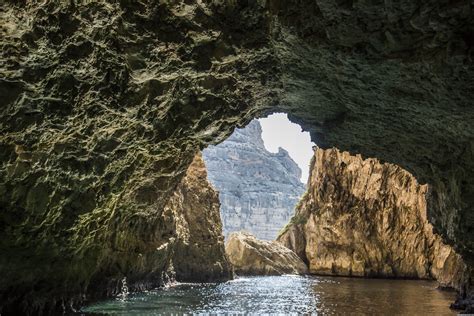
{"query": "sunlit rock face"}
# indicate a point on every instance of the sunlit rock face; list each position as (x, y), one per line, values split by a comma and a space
(364, 218)
(258, 190)
(198, 252)
(252, 256)
(376, 78)
(104, 105)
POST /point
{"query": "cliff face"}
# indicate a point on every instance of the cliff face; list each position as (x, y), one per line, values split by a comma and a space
(105, 103)
(258, 190)
(251, 256)
(365, 218)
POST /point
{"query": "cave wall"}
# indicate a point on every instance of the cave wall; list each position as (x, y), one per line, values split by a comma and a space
(105, 104)
(103, 108)
(391, 80)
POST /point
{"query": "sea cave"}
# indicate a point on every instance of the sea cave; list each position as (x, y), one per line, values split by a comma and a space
(107, 106)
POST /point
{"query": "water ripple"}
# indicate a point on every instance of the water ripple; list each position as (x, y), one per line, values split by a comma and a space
(286, 295)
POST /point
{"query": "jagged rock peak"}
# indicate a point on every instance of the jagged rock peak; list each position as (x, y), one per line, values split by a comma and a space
(258, 189)
(250, 134)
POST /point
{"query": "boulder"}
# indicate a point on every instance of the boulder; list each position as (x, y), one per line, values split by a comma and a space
(251, 256)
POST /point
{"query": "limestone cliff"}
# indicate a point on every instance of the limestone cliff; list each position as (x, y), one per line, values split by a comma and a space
(367, 218)
(258, 190)
(251, 256)
(104, 104)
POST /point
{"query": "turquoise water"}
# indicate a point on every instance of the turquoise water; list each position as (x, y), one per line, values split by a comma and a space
(287, 295)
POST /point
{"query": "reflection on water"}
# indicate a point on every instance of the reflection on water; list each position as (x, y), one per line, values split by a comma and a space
(288, 294)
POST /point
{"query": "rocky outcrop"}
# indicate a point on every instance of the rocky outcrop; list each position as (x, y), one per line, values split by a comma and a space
(105, 103)
(251, 256)
(198, 250)
(258, 190)
(361, 217)
(182, 241)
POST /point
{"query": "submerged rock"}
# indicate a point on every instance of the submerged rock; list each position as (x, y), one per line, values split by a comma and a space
(366, 218)
(258, 190)
(251, 256)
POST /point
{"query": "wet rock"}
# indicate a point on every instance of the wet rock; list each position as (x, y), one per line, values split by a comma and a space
(251, 256)
(361, 217)
(258, 190)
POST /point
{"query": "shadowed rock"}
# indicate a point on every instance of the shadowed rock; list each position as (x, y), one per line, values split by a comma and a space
(104, 105)
(198, 254)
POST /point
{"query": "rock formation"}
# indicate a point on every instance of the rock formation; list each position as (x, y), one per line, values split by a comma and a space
(365, 218)
(182, 241)
(251, 256)
(105, 103)
(198, 249)
(258, 190)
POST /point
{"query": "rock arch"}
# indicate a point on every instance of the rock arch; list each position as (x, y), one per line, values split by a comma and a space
(105, 106)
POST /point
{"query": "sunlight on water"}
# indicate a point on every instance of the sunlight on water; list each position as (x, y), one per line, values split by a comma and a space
(287, 294)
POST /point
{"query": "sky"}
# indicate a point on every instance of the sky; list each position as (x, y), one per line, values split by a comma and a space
(279, 131)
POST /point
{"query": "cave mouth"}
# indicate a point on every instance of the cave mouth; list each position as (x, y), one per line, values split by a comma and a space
(107, 103)
(246, 169)
(342, 223)
(260, 171)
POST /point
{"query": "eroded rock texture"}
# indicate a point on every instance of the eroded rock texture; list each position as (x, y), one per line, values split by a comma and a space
(258, 190)
(103, 108)
(182, 241)
(105, 103)
(364, 218)
(251, 256)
